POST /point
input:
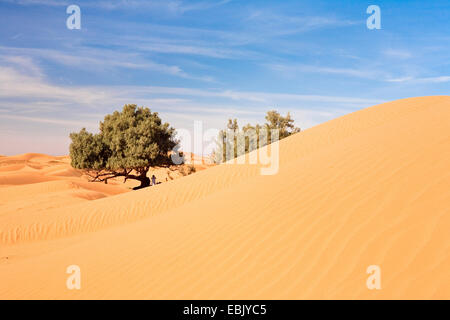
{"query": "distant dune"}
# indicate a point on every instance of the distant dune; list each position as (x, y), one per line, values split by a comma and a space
(369, 188)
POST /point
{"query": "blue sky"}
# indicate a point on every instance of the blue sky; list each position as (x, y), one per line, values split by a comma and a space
(209, 60)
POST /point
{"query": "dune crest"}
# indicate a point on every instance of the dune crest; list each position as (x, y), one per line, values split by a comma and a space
(369, 188)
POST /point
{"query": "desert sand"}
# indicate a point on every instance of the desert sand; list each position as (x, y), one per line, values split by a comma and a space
(369, 188)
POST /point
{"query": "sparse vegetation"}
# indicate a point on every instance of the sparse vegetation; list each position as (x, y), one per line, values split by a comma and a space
(233, 142)
(189, 169)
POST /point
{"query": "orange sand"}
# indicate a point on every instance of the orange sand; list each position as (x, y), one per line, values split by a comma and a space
(369, 188)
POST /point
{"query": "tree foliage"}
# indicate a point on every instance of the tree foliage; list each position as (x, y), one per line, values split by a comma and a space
(128, 144)
(285, 125)
(233, 142)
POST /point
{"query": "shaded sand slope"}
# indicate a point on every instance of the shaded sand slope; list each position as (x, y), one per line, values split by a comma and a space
(370, 188)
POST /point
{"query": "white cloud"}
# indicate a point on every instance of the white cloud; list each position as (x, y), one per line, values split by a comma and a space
(438, 79)
(278, 24)
(23, 63)
(174, 6)
(35, 92)
(261, 97)
(28, 97)
(14, 84)
(96, 59)
(398, 54)
(200, 50)
(59, 122)
(402, 79)
(367, 73)
(53, 3)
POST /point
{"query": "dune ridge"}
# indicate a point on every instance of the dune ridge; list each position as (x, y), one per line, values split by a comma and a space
(369, 188)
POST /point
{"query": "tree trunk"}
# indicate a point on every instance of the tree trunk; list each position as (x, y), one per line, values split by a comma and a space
(145, 182)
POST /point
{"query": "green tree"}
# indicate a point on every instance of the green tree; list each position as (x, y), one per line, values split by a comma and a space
(233, 142)
(284, 125)
(227, 142)
(128, 144)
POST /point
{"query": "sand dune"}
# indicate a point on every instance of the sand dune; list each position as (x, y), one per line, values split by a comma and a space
(37, 188)
(369, 188)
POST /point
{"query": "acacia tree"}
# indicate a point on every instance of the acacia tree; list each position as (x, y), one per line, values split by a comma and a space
(128, 144)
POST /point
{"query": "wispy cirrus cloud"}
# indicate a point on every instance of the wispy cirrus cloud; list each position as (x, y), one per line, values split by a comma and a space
(53, 3)
(174, 6)
(366, 73)
(22, 63)
(52, 121)
(97, 59)
(398, 53)
(401, 79)
(437, 79)
(15, 85)
(280, 24)
(191, 49)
